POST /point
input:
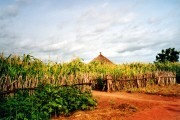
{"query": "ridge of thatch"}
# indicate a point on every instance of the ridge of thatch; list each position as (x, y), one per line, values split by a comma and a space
(101, 58)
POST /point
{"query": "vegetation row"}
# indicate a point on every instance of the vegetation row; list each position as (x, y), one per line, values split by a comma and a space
(28, 66)
(48, 100)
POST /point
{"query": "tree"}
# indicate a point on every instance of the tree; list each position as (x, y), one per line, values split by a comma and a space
(169, 54)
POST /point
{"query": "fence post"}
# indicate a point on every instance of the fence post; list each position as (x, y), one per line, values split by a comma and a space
(174, 80)
(139, 81)
(109, 82)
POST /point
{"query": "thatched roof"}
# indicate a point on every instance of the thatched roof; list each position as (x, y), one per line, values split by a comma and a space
(102, 59)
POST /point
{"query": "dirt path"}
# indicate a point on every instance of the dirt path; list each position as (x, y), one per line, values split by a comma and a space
(164, 108)
(140, 97)
(145, 107)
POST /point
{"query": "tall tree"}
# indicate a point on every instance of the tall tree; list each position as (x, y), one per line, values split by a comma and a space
(169, 54)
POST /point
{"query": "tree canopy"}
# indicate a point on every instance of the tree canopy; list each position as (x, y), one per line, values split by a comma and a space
(169, 54)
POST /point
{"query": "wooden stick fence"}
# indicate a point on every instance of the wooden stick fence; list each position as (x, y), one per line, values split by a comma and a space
(157, 78)
(8, 86)
(86, 82)
(114, 83)
(3, 94)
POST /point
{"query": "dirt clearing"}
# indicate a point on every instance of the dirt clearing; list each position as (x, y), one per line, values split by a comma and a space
(130, 106)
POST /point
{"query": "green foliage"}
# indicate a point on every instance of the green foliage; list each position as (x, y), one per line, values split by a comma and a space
(169, 54)
(28, 66)
(63, 100)
(47, 101)
(50, 100)
(18, 107)
(169, 66)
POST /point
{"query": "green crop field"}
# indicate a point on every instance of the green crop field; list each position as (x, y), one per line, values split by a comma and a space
(28, 66)
(48, 100)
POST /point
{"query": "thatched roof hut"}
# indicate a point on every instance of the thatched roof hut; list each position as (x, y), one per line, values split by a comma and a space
(102, 59)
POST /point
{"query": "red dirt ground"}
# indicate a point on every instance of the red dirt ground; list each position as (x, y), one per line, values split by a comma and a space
(144, 107)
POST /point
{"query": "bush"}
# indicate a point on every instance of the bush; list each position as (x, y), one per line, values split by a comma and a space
(47, 101)
(17, 107)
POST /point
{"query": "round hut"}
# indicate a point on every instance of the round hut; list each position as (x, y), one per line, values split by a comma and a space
(102, 59)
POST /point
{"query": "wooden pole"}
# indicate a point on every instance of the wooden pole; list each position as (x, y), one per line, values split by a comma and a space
(109, 83)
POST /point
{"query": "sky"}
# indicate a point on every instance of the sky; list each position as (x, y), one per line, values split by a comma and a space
(61, 30)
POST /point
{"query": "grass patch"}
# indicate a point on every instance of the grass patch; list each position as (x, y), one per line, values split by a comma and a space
(170, 90)
(112, 103)
(127, 108)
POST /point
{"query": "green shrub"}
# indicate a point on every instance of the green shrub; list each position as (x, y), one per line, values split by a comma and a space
(19, 107)
(47, 101)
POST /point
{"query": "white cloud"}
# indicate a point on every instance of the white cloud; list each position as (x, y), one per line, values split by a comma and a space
(104, 5)
(120, 31)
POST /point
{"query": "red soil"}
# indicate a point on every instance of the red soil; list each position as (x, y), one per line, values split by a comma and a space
(145, 107)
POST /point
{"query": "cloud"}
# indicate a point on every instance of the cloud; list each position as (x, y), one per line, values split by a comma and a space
(8, 36)
(10, 11)
(95, 22)
(153, 20)
(22, 2)
(122, 31)
(104, 5)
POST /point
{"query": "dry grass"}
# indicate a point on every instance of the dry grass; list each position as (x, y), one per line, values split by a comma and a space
(170, 90)
(127, 107)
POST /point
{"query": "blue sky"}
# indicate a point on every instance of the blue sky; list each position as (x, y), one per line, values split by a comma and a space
(60, 30)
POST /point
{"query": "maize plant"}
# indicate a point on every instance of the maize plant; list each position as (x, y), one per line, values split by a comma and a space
(28, 66)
